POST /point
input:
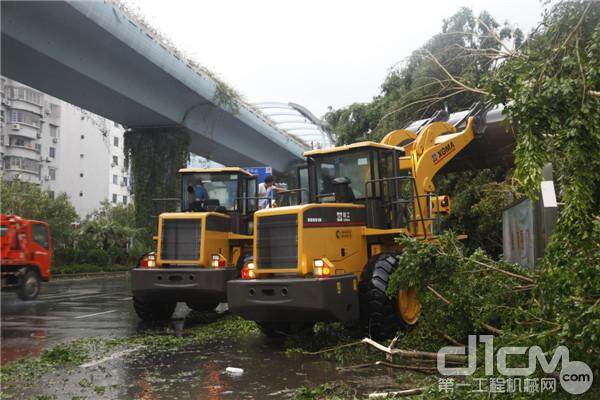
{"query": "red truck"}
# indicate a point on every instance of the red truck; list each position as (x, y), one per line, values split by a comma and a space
(25, 255)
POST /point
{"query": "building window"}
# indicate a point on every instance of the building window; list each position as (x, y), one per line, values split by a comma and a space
(38, 147)
(81, 174)
(52, 173)
(80, 194)
(25, 94)
(116, 141)
(52, 152)
(81, 155)
(25, 117)
(51, 193)
(114, 199)
(19, 141)
(82, 137)
(116, 160)
(53, 131)
(125, 200)
(55, 110)
(115, 180)
(124, 181)
(126, 164)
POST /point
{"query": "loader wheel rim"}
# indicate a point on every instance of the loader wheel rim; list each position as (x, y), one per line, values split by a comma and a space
(408, 306)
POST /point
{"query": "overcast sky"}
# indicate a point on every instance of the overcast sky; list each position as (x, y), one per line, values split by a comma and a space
(315, 53)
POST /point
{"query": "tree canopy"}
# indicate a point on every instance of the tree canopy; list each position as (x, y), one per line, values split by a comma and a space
(29, 201)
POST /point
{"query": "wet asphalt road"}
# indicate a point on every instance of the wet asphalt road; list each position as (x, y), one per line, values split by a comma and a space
(101, 307)
(65, 310)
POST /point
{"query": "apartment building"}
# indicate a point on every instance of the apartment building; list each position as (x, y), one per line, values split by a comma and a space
(62, 148)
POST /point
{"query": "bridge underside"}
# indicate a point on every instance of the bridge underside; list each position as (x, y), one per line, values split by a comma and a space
(91, 55)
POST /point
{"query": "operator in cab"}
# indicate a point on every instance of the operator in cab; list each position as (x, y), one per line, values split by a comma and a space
(266, 192)
(200, 191)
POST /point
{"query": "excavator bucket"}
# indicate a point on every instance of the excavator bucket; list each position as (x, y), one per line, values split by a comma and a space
(493, 144)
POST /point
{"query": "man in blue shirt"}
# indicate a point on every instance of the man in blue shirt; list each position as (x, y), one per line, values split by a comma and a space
(200, 191)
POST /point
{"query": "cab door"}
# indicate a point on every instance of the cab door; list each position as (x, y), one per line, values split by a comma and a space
(41, 247)
(303, 184)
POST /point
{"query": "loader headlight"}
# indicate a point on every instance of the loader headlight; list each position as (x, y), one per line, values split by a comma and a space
(218, 261)
(148, 261)
(248, 271)
(321, 267)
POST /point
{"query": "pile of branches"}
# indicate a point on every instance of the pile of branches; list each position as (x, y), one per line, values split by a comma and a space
(461, 294)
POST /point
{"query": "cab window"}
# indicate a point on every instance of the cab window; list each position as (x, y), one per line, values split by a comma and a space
(354, 166)
(221, 187)
(39, 234)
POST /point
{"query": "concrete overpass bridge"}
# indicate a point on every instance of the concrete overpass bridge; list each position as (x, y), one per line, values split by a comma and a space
(93, 55)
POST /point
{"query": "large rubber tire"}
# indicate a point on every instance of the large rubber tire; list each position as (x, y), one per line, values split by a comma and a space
(203, 307)
(283, 329)
(30, 286)
(151, 311)
(378, 314)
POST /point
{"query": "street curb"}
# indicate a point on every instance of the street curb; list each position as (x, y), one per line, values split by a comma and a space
(88, 275)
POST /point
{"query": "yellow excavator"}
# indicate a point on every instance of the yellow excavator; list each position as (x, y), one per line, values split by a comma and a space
(331, 258)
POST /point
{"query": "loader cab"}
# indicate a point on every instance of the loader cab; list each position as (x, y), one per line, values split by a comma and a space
(362, 173)
(229, 190)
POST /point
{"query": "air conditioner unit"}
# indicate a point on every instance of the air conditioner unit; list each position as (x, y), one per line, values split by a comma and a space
(16, 127)
(42, 120)
(47, 178)
(47, 111)
(41, 158)
(113, 165)
(54, 140)
(123, 184)
(48, 159)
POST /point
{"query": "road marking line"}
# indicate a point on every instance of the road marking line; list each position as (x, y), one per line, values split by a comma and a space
(111, 357)
(92, 315)
(126, 298)
(75, 298)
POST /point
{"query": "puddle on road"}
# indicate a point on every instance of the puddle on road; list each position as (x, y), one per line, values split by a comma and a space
(197, 371)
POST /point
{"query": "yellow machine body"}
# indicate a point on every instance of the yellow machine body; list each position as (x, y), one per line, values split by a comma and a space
(214, 239)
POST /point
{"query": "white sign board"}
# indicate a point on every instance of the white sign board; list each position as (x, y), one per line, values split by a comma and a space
(548, 194)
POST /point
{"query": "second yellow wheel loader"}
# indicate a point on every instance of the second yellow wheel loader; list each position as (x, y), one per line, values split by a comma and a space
(200, 248)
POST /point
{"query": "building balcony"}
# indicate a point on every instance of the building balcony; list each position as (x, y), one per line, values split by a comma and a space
(24, 175)
(28, 151)
(18, 104)
(24, 130)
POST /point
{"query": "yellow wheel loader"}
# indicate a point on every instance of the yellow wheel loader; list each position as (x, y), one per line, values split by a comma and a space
(331, 258)
(200, 248)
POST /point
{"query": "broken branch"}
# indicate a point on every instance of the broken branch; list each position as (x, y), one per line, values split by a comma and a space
(407, 392)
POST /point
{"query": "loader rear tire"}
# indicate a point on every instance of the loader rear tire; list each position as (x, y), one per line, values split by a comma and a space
(379, 317)
(283, 329)
(151, 311)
